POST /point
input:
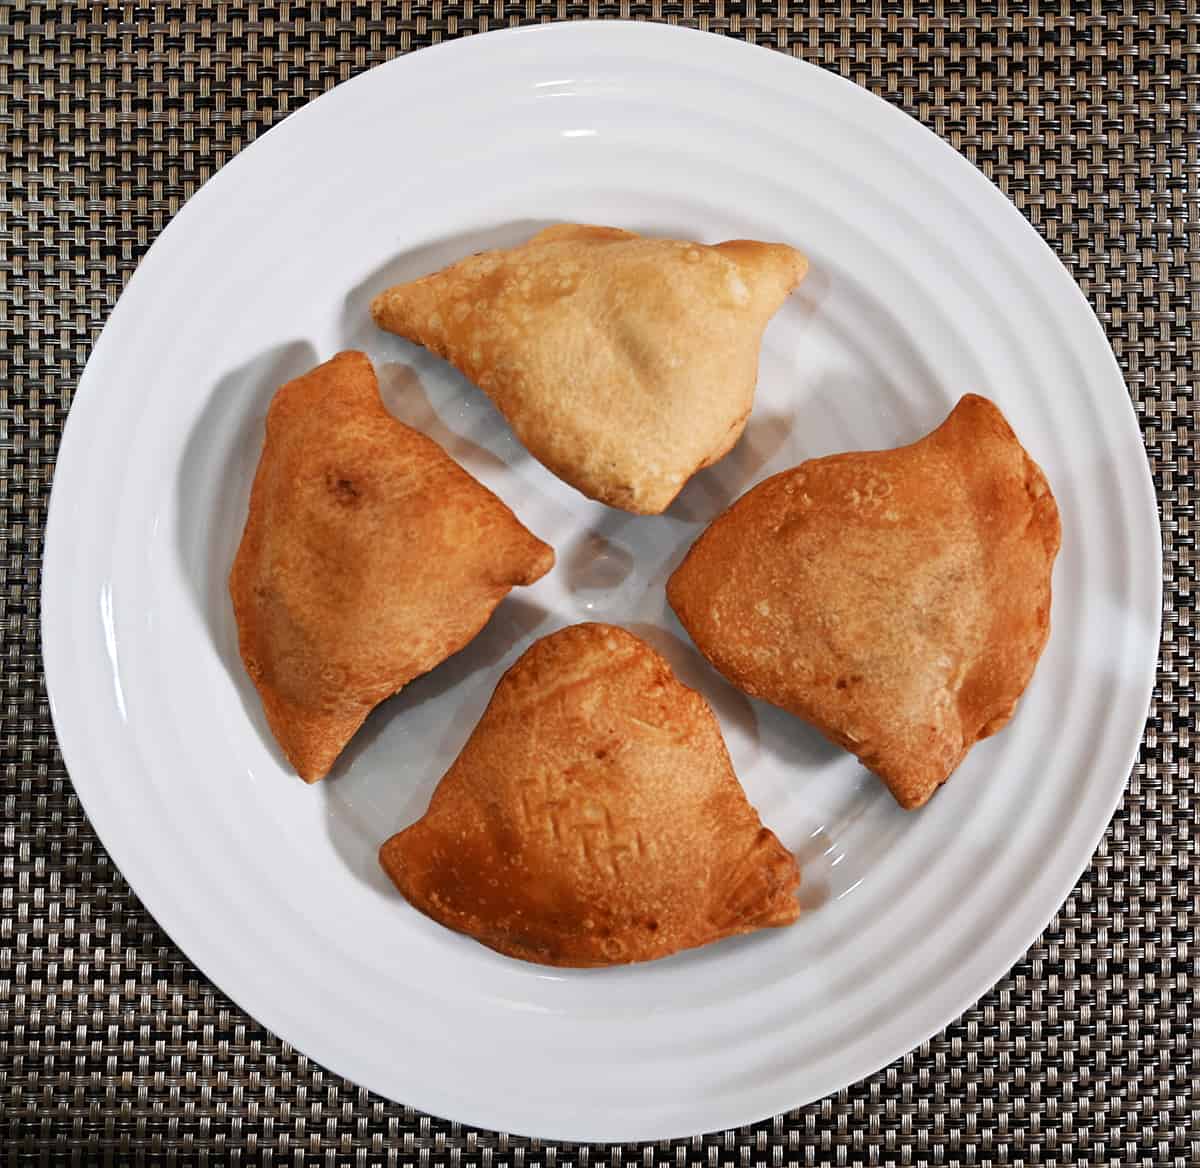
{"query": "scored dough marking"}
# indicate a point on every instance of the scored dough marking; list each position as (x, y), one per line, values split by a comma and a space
(572, 818)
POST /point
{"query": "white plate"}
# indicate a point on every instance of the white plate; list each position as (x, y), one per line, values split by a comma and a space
(925, 283)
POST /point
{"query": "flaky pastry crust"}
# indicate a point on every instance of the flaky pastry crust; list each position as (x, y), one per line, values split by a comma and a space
(593, 817)
(624, 364)
(898, 599)
(369, 556)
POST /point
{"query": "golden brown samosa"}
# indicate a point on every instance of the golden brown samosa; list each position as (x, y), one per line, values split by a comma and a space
(624, 364)
(369, 556)
(896, 599)
(593, 817)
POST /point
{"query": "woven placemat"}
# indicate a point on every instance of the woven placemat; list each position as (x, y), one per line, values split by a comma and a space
(113, 1049)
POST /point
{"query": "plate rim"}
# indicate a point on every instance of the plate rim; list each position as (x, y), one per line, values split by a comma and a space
(56, 597)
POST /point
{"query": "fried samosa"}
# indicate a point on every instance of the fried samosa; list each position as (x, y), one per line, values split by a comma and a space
(369, 556)
(623, 364)
(593, 817)
(898, 599)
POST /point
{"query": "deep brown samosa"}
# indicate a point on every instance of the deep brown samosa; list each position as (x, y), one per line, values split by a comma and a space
(624, 364)
(369, 556)
(593, 817)
(896, 599)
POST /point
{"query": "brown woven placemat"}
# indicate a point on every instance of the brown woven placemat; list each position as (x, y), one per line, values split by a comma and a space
(113, 1049)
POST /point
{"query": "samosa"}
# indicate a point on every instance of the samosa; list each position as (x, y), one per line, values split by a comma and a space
(624, 364)
(593, 817)
(369, 556)
(897, 599)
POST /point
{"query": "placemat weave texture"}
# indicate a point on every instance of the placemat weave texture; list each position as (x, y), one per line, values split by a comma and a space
(113, 1049)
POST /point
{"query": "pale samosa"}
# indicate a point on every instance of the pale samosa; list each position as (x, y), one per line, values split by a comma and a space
(624, 364)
